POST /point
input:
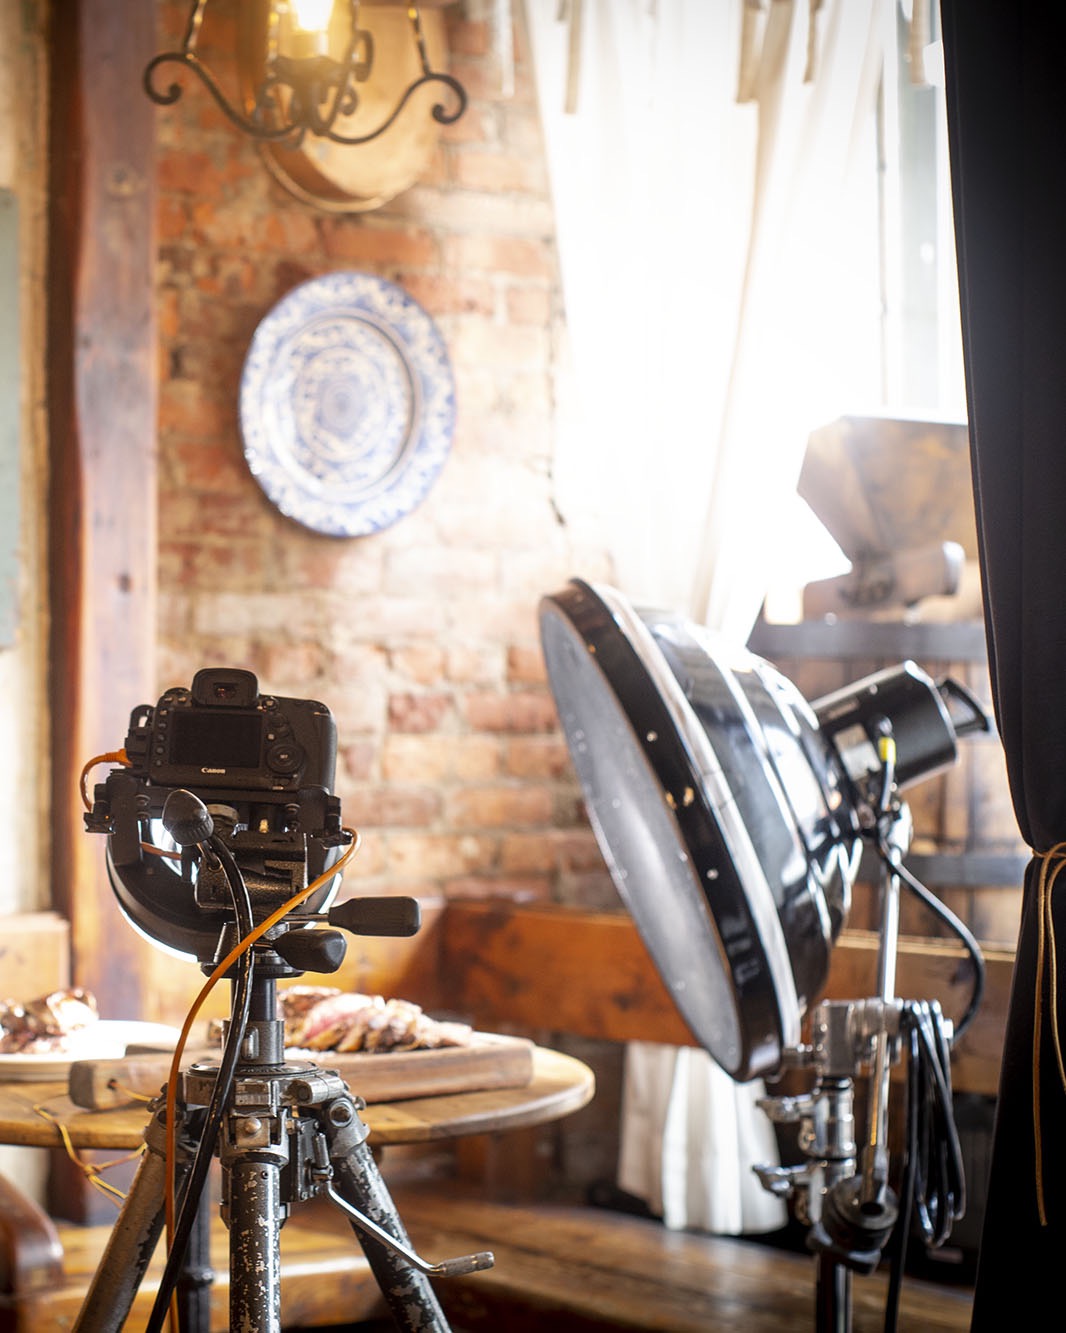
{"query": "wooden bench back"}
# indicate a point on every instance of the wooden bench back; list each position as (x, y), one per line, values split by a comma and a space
(550, 969)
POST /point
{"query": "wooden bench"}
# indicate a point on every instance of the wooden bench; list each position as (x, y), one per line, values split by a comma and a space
(547, 970)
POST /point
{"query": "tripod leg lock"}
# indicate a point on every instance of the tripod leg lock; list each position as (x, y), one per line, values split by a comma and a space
(467, 1263)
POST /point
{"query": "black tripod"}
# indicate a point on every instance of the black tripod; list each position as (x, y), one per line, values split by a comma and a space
(290, 1131)
(283, 1133)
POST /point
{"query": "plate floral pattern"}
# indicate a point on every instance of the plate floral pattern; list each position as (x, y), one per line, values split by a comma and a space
(347, 404)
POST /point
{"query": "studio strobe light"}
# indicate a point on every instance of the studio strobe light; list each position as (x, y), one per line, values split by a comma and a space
(732, 814)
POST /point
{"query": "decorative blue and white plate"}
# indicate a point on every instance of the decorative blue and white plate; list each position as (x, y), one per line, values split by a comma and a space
(347, 404)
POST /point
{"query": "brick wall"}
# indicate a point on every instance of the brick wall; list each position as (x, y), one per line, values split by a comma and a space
(422, 638)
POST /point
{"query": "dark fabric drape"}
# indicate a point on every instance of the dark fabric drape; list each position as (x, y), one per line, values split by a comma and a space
(1006, 95)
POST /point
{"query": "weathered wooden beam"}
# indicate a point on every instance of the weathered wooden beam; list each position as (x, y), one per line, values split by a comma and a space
(102, 447)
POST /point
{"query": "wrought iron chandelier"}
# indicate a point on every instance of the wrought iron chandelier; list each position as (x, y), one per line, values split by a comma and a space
(300, 87)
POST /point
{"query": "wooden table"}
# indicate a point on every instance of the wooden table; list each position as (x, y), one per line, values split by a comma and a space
(560, 1085)
(325, 1279)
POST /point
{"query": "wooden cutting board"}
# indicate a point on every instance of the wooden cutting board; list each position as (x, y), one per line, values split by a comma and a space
(489, 1061)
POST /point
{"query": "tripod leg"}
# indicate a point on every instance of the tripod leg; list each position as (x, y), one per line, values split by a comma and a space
(193, 1290)
(131, 1244)
(407, 1292)
(134, 1238)
(255, 1256)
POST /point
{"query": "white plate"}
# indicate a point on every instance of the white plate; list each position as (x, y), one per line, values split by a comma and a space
(347, 404)
(107, 1039)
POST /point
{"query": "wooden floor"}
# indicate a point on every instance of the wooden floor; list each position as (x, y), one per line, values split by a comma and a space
(577, 1269)
(567, 1269)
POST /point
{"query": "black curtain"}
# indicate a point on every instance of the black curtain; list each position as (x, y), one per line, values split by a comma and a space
(1006, 94)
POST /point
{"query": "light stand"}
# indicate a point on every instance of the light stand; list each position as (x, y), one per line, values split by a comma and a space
(732, 816)
(842, 1192)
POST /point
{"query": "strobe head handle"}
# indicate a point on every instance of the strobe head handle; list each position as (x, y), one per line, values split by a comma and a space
(398, 917)
(187, 819)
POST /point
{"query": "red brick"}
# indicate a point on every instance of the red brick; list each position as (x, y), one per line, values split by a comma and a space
(196, 563)
(499, 346)
(205, 467)
(579, 851)
(441, 295)
(416, 758)
(422, 663)
(173, 219)
(517, 712)
(515, 888)
(169, 319)
(440, 856)
(538, 757)
(422, 638)
(529, 305)
(418, 712)
(358, 759)
(470, 37)
(481, 79)
(348, 239)
(291, 665)
(474, 665)
(475, 758)
(525, 852)
(499, 807)
(188, 173)
(388, 806)
(525, 665)
(191, 514)
(517, 255)
(185, 410)
(477, 124)
(593, 892)
(478, 170)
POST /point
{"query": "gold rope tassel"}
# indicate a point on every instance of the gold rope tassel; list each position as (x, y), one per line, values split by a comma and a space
(1052, 864)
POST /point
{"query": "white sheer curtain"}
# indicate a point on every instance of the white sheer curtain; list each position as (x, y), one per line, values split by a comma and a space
(719, 267)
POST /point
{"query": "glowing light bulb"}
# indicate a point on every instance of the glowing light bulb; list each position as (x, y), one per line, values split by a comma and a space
(312, 15)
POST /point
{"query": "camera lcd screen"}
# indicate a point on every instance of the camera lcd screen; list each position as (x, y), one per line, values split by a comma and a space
(213, 739)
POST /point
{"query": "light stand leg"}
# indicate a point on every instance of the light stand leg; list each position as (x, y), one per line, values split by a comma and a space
(832, 1296)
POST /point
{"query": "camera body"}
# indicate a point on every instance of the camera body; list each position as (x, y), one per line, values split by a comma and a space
(264, 767)
(221, 733)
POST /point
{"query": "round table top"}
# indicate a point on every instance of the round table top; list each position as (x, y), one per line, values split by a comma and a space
(30, 1113)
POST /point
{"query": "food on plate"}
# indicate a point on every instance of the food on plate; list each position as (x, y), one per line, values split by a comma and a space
(46, 1025)
(320, 1018)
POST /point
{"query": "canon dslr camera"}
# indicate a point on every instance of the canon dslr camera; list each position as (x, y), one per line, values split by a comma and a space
(263, 766)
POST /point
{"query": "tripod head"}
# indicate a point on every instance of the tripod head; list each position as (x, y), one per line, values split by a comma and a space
(219, 760)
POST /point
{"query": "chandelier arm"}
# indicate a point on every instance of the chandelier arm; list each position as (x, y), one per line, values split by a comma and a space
(192, 28)
(440, 114)
(171, 95)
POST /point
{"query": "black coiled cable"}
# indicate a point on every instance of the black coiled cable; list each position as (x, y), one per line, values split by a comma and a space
(933, 1189)
(227, 1065)
(933, 1185)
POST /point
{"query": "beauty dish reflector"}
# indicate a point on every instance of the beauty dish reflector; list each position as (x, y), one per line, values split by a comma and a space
(723, 807)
